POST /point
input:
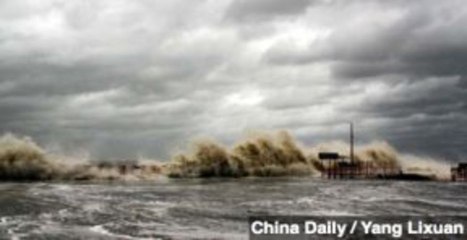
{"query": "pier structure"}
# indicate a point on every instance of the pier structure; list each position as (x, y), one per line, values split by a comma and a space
(459, 173)
(338, 166)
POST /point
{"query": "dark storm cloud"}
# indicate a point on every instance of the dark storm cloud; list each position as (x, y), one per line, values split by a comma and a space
(253, 10)
(407, 61)
(123, 79)
(433, 96)
(92, 72)
(419, 39)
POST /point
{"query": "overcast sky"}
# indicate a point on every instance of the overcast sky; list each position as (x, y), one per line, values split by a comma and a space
(141, 77)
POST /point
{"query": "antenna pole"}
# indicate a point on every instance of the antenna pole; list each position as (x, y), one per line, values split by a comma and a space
(351, 143)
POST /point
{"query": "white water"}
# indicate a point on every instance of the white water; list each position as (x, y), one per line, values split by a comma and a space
(201, 209)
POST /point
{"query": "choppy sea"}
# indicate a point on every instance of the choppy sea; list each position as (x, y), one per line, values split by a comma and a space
(205, 209)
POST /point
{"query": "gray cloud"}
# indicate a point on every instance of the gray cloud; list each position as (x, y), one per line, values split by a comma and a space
(412, 39)
(123, 79)
(254, 10)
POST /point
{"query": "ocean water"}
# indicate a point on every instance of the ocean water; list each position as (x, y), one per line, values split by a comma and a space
(205, 209)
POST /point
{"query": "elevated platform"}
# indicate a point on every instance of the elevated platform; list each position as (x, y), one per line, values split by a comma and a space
(341, 167)
(459, 173)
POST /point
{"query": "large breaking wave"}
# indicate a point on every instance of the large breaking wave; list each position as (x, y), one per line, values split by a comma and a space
(260, 155)
(21, 159)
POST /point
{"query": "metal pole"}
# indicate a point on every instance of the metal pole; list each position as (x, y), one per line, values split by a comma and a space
(351, 144)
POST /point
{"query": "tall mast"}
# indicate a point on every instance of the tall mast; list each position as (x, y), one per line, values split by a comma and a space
(351, 143)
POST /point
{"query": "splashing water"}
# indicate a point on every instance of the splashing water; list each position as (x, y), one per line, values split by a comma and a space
(280, 155)
(23, 160)
(261, 155)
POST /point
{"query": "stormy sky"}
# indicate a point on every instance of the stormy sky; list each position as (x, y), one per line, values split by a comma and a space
(121, 78)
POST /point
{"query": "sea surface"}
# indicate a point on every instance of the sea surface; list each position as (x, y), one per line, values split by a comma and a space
(205, 209)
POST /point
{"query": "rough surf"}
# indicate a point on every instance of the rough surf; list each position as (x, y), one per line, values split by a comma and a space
(259, 155)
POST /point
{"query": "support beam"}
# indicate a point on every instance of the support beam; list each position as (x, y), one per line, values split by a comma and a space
(351, 144)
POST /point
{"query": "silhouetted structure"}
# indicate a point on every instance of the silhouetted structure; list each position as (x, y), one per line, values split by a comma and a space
(347, 167)
(459, 173)
(337, 165)
(341, 166)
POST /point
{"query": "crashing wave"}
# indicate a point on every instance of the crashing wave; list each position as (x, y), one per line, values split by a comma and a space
(261, 155)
